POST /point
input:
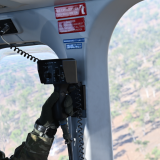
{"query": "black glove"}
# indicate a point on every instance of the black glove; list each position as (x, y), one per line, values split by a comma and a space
(46, 117)
(2, 155)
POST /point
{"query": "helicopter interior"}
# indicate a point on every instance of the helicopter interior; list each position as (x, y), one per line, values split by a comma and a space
(73, 29)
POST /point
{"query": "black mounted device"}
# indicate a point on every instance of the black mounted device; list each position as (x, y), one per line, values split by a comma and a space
(62, 73)
(58, 71)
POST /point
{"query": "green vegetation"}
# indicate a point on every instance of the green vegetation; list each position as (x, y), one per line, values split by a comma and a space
(134, 75)
(63, 158)
(155, 154)
(16, 133)
(141, 145)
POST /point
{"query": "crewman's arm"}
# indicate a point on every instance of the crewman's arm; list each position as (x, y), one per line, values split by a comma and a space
(35, 148)
(39, 141)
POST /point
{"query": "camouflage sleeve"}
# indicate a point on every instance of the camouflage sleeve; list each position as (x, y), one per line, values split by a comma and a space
(35, 148)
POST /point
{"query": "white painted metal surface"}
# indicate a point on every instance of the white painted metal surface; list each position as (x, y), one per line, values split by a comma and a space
(16, 5)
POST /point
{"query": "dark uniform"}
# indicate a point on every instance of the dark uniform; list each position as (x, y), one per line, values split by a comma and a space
(35, 148)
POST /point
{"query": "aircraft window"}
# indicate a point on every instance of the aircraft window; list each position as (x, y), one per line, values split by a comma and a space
(22, 96)
(134, 78)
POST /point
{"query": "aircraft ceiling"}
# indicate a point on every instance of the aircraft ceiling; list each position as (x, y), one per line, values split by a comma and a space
(16, 5)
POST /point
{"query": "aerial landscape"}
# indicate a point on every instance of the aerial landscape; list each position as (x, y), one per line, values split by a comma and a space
(134, 79)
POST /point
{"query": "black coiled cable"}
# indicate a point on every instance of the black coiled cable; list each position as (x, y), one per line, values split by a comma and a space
(79, 113)
(5, 29)
(24, 53)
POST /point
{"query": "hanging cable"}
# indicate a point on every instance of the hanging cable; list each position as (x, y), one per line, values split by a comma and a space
(80, 134)
(5, 40)
(3, 31)
(21, 52)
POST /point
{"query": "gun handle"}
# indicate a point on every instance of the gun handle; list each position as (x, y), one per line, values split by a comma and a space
(58, 109)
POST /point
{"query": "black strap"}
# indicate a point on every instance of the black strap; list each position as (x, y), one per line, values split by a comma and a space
(70, 151)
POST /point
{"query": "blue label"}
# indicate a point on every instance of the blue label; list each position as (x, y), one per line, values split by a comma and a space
(74, 46)
(73, 40)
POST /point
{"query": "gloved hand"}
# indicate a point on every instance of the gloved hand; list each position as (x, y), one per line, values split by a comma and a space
(46, 117)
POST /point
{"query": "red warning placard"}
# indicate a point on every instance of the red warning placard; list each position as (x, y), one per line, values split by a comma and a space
(71, 25)
(70, 10)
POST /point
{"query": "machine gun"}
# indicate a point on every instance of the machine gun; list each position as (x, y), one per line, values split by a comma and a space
(62, 73)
